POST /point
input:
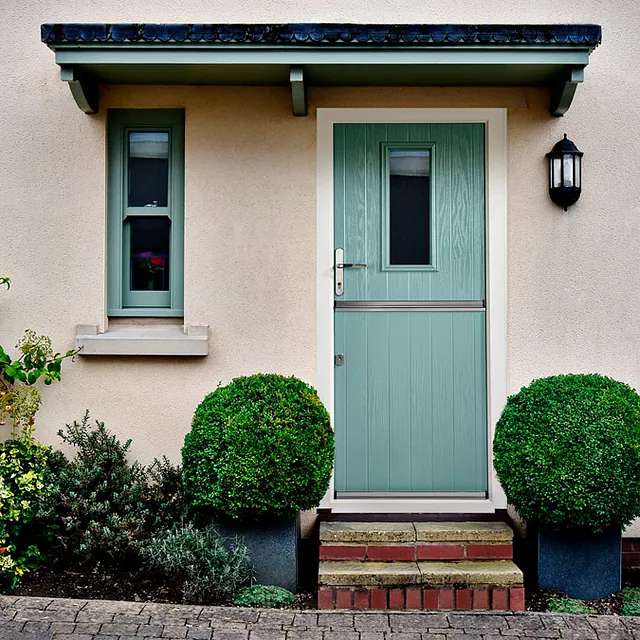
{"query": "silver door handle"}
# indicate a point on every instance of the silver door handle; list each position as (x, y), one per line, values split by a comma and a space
(339, 270)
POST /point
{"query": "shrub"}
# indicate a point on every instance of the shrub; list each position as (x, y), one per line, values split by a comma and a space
(22, 470)
(631, 602)
(97, 502)
(264, 596)
(210, 568)
(19, 397)
(567, 605)
(567, 452)
(166, 500)
(100, 507)
(262, 446)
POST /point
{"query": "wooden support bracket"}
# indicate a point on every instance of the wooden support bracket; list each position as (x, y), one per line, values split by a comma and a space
(85, 89)
(563, 90)
(298, 91)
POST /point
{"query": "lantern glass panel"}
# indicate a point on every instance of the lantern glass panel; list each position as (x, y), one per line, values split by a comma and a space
(567, 170)
(577, 165)
(556, 172)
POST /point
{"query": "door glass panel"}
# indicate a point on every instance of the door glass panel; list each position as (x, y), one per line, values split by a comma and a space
(148, 168)
(150, 253)
(409, 207)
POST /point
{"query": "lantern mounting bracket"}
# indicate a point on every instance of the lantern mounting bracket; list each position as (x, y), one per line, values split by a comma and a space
(563, 89)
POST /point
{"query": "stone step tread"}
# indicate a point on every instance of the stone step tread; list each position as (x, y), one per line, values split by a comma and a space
(412, 532)
(503, 573)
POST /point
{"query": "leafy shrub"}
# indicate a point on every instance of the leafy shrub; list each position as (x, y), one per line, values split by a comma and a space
(19, 398)
(210, 568)
(100, 507)
(631, 602)
(567, 605)
(264, 596)
(98, 501)
(262, 446)
(165, 497)
(567, 452)
(22, 471)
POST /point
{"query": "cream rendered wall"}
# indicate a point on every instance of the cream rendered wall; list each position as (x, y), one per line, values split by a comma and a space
(250, 209)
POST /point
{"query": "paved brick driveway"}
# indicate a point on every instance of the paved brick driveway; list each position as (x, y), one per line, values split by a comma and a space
(58, 619)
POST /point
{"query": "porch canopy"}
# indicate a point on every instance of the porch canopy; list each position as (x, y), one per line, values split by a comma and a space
(302, 55)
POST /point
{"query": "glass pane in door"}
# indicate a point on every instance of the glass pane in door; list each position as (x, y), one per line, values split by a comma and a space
(409, 207)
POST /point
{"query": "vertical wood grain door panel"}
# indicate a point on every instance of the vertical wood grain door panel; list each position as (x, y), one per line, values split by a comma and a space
(410, 398)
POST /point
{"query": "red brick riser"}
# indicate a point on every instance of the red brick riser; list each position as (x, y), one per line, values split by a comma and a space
(477, 598)
(409, 553)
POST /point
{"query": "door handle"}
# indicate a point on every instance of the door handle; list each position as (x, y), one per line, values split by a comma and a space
(340, 266)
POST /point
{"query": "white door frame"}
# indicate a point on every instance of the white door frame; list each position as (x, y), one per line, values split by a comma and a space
(495, 121)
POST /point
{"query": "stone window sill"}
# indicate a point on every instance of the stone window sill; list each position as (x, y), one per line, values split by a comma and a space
(152, 340)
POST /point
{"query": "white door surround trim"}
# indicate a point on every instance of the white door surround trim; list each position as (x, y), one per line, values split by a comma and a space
(495, 121)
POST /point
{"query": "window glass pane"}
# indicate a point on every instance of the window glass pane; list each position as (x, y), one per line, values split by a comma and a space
(148, 168)
(150, 253)
(409, 207)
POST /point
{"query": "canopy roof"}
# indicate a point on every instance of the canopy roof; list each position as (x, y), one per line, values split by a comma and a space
(300, 55)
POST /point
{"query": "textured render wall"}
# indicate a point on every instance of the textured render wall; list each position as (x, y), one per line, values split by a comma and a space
(250, 209)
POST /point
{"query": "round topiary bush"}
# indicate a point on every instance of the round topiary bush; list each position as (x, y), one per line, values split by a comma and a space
(567, 452)
(260, 447)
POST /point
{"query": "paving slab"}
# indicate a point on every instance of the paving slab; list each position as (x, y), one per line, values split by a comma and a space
(463, 532)
(221, 623)
(494, 573)
(367, 532)
(368, 574)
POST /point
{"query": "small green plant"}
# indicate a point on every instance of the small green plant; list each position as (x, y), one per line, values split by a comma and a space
(567, 452)
(631, 602)
(23, 463)
(19, 397)
(98, 502)
(5, 282)
(260, 447)
(211, 568)
(264, 597)
(558, 604)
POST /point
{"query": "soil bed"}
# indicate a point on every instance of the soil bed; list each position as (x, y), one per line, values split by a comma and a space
(136, 586)
(539, 600)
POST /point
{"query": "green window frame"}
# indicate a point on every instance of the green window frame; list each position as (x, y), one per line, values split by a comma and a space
(122, 299)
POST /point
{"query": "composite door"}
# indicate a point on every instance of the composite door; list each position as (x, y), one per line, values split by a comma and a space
(410, 356)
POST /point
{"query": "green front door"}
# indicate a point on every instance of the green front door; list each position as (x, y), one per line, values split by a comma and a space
(410, 353)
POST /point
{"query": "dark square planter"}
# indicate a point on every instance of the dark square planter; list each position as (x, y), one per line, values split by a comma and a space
(582, 564)
(273, 549)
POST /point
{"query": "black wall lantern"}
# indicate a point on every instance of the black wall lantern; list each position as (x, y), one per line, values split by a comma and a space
(565, 173)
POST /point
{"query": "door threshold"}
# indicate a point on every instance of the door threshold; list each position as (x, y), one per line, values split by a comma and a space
(390, 504)
(409, 495)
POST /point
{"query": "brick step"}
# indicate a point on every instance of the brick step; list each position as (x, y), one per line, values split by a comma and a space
(468, 584)
(407, 541)
(422, 598)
